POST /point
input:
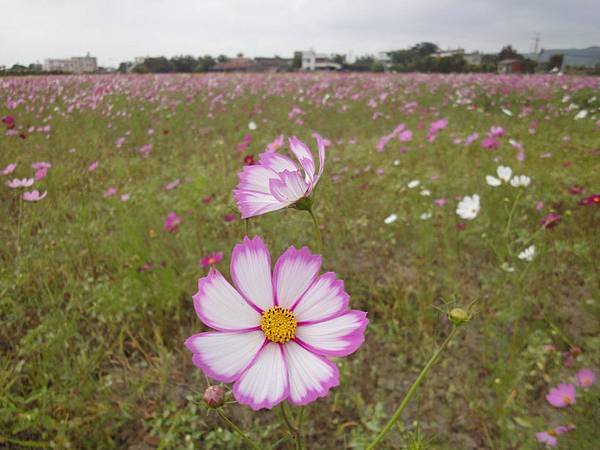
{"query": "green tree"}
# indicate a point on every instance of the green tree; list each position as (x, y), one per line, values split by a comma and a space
(508, 52)
(555, 60)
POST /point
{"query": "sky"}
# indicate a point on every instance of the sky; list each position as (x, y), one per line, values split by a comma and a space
(119, 30)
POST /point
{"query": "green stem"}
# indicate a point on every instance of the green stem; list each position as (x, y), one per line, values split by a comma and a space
(293, 430)
(509, 221)
(19, 219)
(317, 231)
(247, 223)
(411, 391)
(237, 430)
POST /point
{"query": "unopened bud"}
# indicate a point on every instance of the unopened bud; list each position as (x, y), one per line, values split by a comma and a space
(458, 316)
(214, 396)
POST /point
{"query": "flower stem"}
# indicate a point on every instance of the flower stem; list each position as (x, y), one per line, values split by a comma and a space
(411, 391)
(236, 429)
(293, 430)
(509, 221)
(19, 220)
(317, 231)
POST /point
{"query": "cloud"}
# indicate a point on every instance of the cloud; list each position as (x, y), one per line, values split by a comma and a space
(118, 30)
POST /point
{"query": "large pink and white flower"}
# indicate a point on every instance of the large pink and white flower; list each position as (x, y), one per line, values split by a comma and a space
(274, 331)
(277, 181)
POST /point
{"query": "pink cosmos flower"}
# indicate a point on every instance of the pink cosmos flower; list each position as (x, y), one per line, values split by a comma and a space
(41, 173)
(585, 378)
(125, 197)
(145, 150)
(496, 132)
(551, 220)
(277, 181)
(561, 395)
(548, 437)
(211, 259)
(490, 143)
(9, 121)
(18, 183)
(471, 138)
(230, 217)
(10, 168)
(275, 331)
(93, 166)
(405, 136)
(440, 201)
(172, 222)
(33, 196)
(41, 165)
(591, 200)
(171, 185)
(110, 192)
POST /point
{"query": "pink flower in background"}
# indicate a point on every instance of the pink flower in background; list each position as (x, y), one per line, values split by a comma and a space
(172, 222)
(93, 166)
(548, 437)
(125, 197)
(10, 168)
(539, 205)
(230, 217)
(171, 185)
(110, 192)
(440, 201)
(496, 132)
(490, 143)
(561, 395)
(145, 150)
(551, 220)
(277, 181)
(41, 165)
(591, 200)
(150, 131)
(119, 142)
(405, 136)
(40, 174)
(19, 183)
(277, 143)
(211, 259)
(435, 128)
(471, 138)
(575, 190)
(9, 121)
(33, 196)
(585, 378)
(275, 331)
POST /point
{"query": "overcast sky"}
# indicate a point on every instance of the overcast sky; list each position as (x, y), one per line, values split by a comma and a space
(119, 30)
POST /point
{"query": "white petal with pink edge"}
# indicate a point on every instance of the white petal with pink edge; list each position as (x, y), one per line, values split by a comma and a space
(294, 272)
(305, 157)
(224, 356)
(221, 307)
(324, 299)
(277, 162)
(251, 272)
(339, 336)
(256, 178)
(265, 383)
(290, 188)
(311, 376)
(321, 148)
(252, 203)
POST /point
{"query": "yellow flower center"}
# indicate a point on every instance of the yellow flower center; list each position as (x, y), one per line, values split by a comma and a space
(278, 324)
(566, 399)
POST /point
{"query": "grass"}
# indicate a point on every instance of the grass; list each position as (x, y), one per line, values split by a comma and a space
(92, 353)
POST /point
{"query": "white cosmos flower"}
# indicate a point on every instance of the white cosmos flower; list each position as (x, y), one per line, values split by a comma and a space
(425, 192)
(468, 207)
(396, 162)
(252, 125)
(520, 181)
(504, 174)
(413, 184)
(581, 114)
(390, 219)
(527, 254)
(426, 215)
(508, 112)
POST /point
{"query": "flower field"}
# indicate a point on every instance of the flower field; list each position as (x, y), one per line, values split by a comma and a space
(302, 244)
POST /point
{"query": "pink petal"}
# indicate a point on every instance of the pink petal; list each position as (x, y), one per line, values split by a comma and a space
(265, 383)
(290, 188)
(324, 299)
(304, 155)
(253, 204)
(256, 178)
(221, 307)
(311, 376)
(251, 272)
(224, 356)
(339, 336)
(277, 162)
(294, 272)
(321, 148)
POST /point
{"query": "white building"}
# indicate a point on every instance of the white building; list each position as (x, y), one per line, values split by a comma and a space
(318, 61)
(75, 64)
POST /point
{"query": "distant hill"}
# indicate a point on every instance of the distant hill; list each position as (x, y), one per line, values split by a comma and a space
(584, 57)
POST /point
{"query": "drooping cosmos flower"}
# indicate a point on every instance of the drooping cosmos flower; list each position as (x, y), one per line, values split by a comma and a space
(277, 181)
(585, 378)
(520, 181)
(561, 395)
(33, 196)
(274, 331)
(468, 207)
(211, 259)
(172, 222)
(528, 254)
(504, 174)
(18, 183)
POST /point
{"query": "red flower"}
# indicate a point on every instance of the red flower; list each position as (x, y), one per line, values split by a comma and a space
(591, 200)
(249, 160)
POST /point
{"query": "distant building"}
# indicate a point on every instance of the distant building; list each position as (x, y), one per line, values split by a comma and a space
(473, 59)
(239, 64)
(75, 64)
(448, 53)
(510, 66)
(318, 61)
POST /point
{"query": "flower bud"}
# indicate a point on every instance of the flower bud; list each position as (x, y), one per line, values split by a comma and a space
(458, 316)
(214, 396)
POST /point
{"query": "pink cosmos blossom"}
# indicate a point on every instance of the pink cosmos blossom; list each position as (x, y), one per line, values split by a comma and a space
(551, 220)
(585, 378)
(9, 121)
(275, 331)
(40, 174)
(41, 165)
(125, 197)
(496, 132)
(119, 142)
(405, 136)
(33, 196)
(591, 200)
(172, 222)
(490, 143)
(10, 168)
(277, 181)
(171, 185)
(561, 395)
(93, 166)
(18, 183)
(110, 192)
(277, 143)
(548, 437)
(211, 259)
(471, 138)
(230, 217)
(440, 201)
(145, 150)
(539, 205)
